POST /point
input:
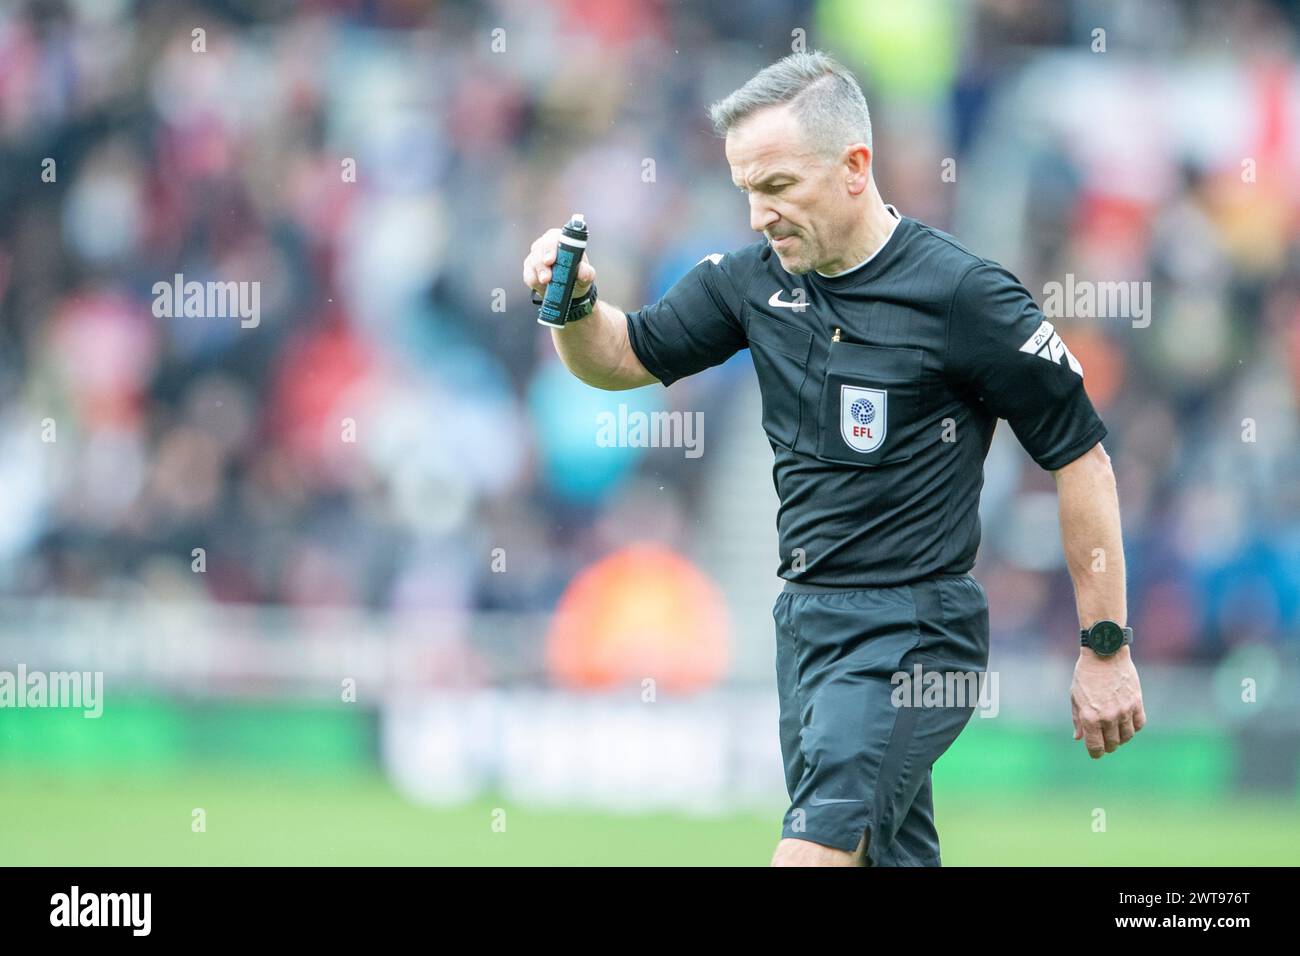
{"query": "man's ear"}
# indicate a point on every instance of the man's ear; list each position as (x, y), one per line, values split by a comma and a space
(857, 166)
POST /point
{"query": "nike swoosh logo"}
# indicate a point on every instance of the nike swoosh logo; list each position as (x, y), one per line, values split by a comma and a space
(817, 801)
(776, 302)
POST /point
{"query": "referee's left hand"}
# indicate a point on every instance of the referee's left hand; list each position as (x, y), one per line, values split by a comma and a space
(1106, 700)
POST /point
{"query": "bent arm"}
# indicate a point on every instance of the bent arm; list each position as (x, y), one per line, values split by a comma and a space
(597, 350)
(1090, 534)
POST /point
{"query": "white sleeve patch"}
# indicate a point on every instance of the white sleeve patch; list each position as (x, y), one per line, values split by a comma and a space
(1046, 343)
(714, 257)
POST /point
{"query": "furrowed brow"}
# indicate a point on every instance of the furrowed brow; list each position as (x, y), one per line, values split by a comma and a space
(768, 179)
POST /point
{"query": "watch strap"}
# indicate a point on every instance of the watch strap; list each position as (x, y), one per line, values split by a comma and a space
(579, 308)
(583, 307)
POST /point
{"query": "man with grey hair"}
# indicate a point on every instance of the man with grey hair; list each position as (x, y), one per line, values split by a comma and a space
(885, 352)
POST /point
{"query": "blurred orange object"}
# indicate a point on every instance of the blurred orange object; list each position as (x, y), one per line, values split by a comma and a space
(643, 613)
(1104, 364)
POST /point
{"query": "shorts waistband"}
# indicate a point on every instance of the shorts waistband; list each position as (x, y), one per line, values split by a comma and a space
(795, 587)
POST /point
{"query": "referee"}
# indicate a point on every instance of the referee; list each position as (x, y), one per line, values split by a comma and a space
(885, 352)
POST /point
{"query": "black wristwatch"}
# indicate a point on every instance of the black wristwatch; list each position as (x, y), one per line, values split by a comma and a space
(581, 308)
(578, 308)
(1105, 637)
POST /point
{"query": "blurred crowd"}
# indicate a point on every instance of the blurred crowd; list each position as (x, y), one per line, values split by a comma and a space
(396, 415)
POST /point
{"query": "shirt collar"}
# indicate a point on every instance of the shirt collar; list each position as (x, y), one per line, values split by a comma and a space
(897, 219)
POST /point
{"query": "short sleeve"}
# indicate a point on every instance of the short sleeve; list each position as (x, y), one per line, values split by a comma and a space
(696, 324)
(1004, 352)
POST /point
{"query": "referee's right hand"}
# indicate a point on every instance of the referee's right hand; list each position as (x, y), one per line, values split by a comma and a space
(537, 266)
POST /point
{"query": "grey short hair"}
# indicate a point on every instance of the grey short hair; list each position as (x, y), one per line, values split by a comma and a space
(826, 100)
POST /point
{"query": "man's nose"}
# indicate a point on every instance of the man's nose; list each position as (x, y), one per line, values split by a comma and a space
(760, 214)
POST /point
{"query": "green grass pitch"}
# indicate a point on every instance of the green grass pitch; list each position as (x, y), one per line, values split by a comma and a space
(259, 818)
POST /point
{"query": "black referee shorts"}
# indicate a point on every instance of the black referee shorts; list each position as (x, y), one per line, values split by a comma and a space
(857, 749)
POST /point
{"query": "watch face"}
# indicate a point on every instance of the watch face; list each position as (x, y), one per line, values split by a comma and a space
(1106, 637)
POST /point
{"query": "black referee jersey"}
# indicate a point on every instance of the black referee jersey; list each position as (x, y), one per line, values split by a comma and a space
(881, 388)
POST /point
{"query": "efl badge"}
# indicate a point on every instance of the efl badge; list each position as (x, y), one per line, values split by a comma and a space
(863, 417)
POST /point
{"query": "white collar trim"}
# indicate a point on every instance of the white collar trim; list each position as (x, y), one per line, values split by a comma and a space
(892, 229)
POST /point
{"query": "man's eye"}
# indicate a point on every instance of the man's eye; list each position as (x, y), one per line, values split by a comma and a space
(778, 188)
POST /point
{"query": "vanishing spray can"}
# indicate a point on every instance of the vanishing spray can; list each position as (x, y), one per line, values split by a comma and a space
(564, 274)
